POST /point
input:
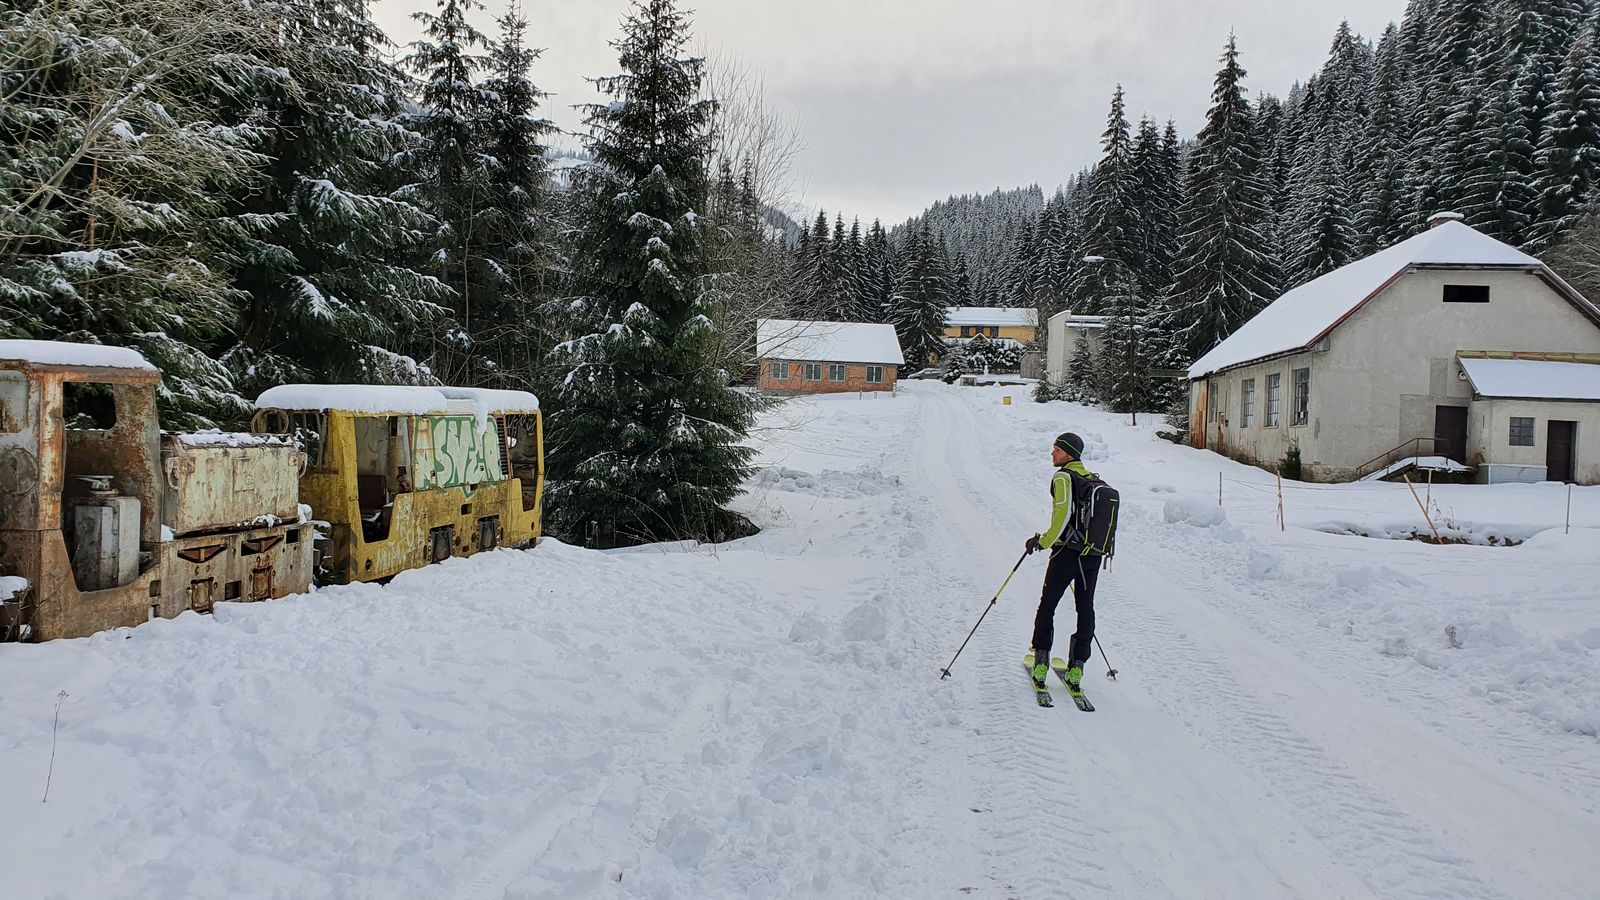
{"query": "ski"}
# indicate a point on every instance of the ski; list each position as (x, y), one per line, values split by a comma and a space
(1041, 692)
(1059, 666)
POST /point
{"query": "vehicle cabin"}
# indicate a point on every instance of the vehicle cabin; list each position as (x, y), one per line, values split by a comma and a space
(108, 523)
(407, 476)
(1449, 351)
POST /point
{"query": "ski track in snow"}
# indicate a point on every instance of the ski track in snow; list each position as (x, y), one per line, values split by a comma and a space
(766, 719)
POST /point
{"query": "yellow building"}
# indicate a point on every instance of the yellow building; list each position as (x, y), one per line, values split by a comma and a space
(1019, 324)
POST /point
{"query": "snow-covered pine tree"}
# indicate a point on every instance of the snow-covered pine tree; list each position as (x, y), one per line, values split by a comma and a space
(516, 226)
(881, 268)
(330, 295)
(451, 165)
(921, 297)
(811, 270)
(646, 435)
(115, 174)
(1111, 224)
(1381, 219)
(1223, 271)
(1498, 197)
(858, 276)
(1569, 163)
(1122, 373)
(1082, 374)
(1156, 189)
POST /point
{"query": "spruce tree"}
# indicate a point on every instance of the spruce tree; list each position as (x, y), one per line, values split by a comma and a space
(1569, 163)
(921, 299)
(451, 164)
(332, 294)
(1224, 269)
(1122, 375)
(1082, 373)
(646, 434)
(1111, 225)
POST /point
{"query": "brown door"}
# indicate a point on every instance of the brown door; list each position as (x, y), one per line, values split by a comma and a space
(1450, 432)
(1559, 458)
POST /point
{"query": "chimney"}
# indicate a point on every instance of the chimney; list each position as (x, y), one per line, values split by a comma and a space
(1439, 218)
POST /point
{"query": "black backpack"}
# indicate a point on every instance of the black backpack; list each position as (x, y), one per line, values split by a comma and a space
(1095, 504)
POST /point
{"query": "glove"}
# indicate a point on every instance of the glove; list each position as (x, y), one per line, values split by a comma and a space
(1032, 545)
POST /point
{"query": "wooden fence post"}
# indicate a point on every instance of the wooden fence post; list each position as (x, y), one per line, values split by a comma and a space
(1425, 515)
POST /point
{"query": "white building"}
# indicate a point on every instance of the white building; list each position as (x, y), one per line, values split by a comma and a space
(1376, 362)
(1062, 334)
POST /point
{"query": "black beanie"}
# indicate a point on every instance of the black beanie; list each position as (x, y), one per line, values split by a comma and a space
(1070, 443)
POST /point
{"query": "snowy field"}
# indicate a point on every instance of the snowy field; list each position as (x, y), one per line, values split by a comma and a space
(1292, 718)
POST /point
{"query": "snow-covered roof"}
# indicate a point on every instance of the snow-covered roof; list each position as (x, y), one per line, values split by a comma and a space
(1533, 379)
(840, 342)
(1071, 320)
(383, 399)
(1002, 316)
(63, 353)
(1306, 314)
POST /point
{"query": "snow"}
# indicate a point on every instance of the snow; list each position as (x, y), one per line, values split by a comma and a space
(1422, 463)
(62, 353)
(844, 342)
(11, 586)
(375, 399)
(1304, 315)
(1004, 317)
(1533, 379)
(1298, 713)
(213, 437)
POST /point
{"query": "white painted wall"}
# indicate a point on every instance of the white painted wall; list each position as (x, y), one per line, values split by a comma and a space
(1061, 341)
(1390, 364)
(1489, 437)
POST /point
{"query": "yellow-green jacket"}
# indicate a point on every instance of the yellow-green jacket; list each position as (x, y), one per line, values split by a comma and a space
(1061, 501)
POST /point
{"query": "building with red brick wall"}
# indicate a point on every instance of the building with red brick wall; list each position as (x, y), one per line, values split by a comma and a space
(826, 357)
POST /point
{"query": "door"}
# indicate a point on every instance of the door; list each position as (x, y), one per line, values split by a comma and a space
(1559, 455)
(1450, 432)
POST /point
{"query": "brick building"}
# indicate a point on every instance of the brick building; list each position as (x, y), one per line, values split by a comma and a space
(826, 357)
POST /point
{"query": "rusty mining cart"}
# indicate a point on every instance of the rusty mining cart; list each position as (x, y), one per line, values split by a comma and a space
(111, 523)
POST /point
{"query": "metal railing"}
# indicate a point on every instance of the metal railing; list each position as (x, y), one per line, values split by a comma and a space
(1409, 450)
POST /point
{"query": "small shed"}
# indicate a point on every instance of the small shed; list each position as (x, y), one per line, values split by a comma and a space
(804, 357)
(1535, 417)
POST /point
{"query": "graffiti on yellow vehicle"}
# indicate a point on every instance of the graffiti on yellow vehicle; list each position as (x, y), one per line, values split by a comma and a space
(453, 451)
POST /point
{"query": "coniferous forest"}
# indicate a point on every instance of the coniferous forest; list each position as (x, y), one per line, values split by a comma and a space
(268, 193)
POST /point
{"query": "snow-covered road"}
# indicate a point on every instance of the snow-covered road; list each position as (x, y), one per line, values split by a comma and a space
(765, 719)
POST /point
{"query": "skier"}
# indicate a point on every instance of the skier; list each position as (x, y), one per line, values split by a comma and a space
(1069, 565)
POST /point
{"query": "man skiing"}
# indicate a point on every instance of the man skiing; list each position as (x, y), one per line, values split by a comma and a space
(1069, 564)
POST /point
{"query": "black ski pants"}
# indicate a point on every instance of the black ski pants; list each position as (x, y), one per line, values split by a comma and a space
(1067, 569)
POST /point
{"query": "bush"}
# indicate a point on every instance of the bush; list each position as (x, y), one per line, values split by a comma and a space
(1290, 466)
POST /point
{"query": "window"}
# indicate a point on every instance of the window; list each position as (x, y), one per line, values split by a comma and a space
(874, 374)
(780, 371)
(1300, 411)
(1466, 293)
(1247, 403)
(89, 406)
(1211, 401)
(1274, 399)
(966, 331)
(835, 372)
(1521, 431)
(13, 401)
(992, 331)
(813, 371)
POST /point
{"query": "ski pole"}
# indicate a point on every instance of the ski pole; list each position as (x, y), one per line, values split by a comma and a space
(1110, 672)
(945, 672)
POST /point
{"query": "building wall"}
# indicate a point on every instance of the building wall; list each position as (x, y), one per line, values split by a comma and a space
(1022, 334)
(1061, 341)
(1489, 439)
(1385, 369)
(855, 379)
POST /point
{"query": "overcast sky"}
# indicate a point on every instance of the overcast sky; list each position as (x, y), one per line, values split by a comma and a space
(904, 102)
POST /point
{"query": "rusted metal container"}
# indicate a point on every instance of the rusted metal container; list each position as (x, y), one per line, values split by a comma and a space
(216, 481)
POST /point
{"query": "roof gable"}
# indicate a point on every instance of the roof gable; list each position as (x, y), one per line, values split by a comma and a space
(1305, 315)
(841, 342)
